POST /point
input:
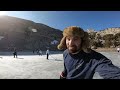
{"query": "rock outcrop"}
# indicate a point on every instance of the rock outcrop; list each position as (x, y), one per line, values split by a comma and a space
(109, 31)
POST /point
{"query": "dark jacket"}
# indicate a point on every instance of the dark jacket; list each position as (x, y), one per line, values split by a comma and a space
(15, 53)
(84, 65)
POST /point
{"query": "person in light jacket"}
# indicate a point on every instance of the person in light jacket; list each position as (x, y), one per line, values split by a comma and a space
(47, 53)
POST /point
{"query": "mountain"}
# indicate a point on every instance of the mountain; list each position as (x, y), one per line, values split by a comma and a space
(26, 35)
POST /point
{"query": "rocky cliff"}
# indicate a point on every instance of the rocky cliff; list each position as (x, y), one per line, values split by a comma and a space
(109, 37)
(109, 31)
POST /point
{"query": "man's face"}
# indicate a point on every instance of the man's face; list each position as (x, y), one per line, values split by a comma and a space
(73, 44)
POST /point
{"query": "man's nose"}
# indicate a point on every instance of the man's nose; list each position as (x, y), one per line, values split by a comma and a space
(71, 42)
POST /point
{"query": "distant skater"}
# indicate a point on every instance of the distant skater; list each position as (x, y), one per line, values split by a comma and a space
(15, 54)
(33, 51)
(47, 53)
(40, 52)
(118, 49)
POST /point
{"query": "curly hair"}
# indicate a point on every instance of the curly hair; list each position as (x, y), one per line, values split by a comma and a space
(75, 31)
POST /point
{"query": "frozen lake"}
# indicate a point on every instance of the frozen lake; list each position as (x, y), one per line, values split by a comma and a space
(29, 66)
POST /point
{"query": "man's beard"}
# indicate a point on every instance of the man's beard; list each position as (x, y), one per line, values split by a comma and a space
(73, 49)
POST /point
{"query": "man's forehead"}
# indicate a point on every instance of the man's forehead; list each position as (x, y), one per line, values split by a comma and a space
(73, 37)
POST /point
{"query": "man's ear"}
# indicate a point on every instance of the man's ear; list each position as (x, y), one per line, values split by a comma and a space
(62, 44)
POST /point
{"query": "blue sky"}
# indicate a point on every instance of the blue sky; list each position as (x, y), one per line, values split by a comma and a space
(97, 20)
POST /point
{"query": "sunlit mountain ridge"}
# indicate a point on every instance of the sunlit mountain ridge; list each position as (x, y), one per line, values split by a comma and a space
(26, 35)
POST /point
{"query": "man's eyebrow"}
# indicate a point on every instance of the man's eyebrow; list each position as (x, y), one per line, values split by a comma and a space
(67, 37)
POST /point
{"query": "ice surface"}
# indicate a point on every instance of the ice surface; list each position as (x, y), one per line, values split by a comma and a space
(38, 67)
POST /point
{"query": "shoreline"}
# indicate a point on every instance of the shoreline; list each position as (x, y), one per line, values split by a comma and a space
(106, 49)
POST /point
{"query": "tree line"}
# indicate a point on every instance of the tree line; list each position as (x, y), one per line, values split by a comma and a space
(108, 40)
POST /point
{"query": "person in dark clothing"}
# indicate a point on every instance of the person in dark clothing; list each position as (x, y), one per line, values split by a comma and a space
(81, 62)
(33, 51)
(15, 53)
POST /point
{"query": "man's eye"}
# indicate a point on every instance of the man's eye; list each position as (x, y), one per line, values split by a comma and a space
(75, 38)
(68, 39)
